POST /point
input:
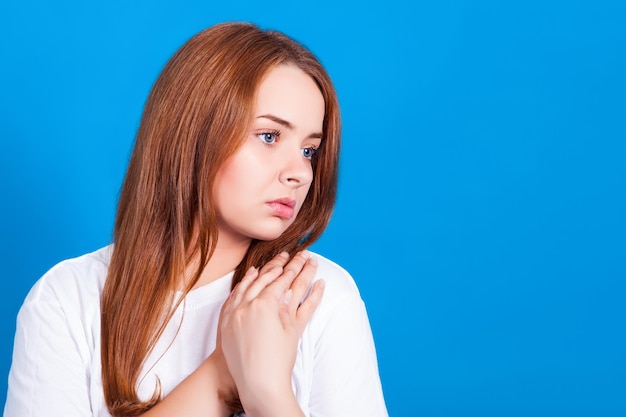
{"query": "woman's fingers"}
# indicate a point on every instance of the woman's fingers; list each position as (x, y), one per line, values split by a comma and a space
(302, 284)
(306, 309)
(240, 289)
(295, 277)
(266, 274)
(264, 280)
(292, 271)
(278, 260)
(297, 262)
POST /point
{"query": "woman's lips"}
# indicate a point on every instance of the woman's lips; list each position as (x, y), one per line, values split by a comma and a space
(283, 207)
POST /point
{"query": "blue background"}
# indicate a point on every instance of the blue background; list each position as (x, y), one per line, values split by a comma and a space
(482, 205)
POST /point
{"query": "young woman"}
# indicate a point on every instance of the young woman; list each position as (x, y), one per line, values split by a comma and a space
(234, 168)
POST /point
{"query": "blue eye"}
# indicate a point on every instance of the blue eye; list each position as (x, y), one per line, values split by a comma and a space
(309, 153)
(269, 137)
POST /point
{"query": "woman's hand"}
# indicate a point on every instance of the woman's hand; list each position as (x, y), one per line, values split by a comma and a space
(261, 323)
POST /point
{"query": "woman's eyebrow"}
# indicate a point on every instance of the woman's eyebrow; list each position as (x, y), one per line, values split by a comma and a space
(277, 120)
(286, 124)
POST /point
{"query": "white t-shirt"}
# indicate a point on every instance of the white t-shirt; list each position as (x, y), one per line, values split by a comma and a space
(56, 368)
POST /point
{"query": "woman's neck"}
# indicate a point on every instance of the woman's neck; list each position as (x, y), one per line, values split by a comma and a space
(225, 259)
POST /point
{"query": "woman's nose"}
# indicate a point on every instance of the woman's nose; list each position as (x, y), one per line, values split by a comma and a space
(296, 169)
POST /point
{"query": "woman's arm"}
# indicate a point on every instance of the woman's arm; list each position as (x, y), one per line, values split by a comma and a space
(261, 323)
(198, 394)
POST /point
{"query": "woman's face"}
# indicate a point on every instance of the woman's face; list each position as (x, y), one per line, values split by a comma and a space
(260, 189)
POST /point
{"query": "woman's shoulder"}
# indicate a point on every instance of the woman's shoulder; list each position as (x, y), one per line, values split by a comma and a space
(334, 273)
(82, 277)
(339, 283)
(63, 306)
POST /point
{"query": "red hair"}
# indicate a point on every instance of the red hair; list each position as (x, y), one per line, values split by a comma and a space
(206, 91)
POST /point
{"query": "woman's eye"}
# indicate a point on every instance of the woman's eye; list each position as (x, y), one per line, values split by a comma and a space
(268, 137)
(309, 152)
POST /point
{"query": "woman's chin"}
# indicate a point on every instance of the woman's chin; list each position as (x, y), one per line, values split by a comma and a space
(270, 233)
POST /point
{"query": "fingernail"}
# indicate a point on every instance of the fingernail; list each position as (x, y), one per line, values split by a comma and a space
(250, 270)
(284, 254)
(305, 254)
(313, 261)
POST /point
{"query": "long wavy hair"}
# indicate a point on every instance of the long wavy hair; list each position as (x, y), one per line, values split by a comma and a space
(166, 216)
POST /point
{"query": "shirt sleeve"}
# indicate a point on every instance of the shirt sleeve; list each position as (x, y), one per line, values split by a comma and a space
(346, 381)
(49, 372)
